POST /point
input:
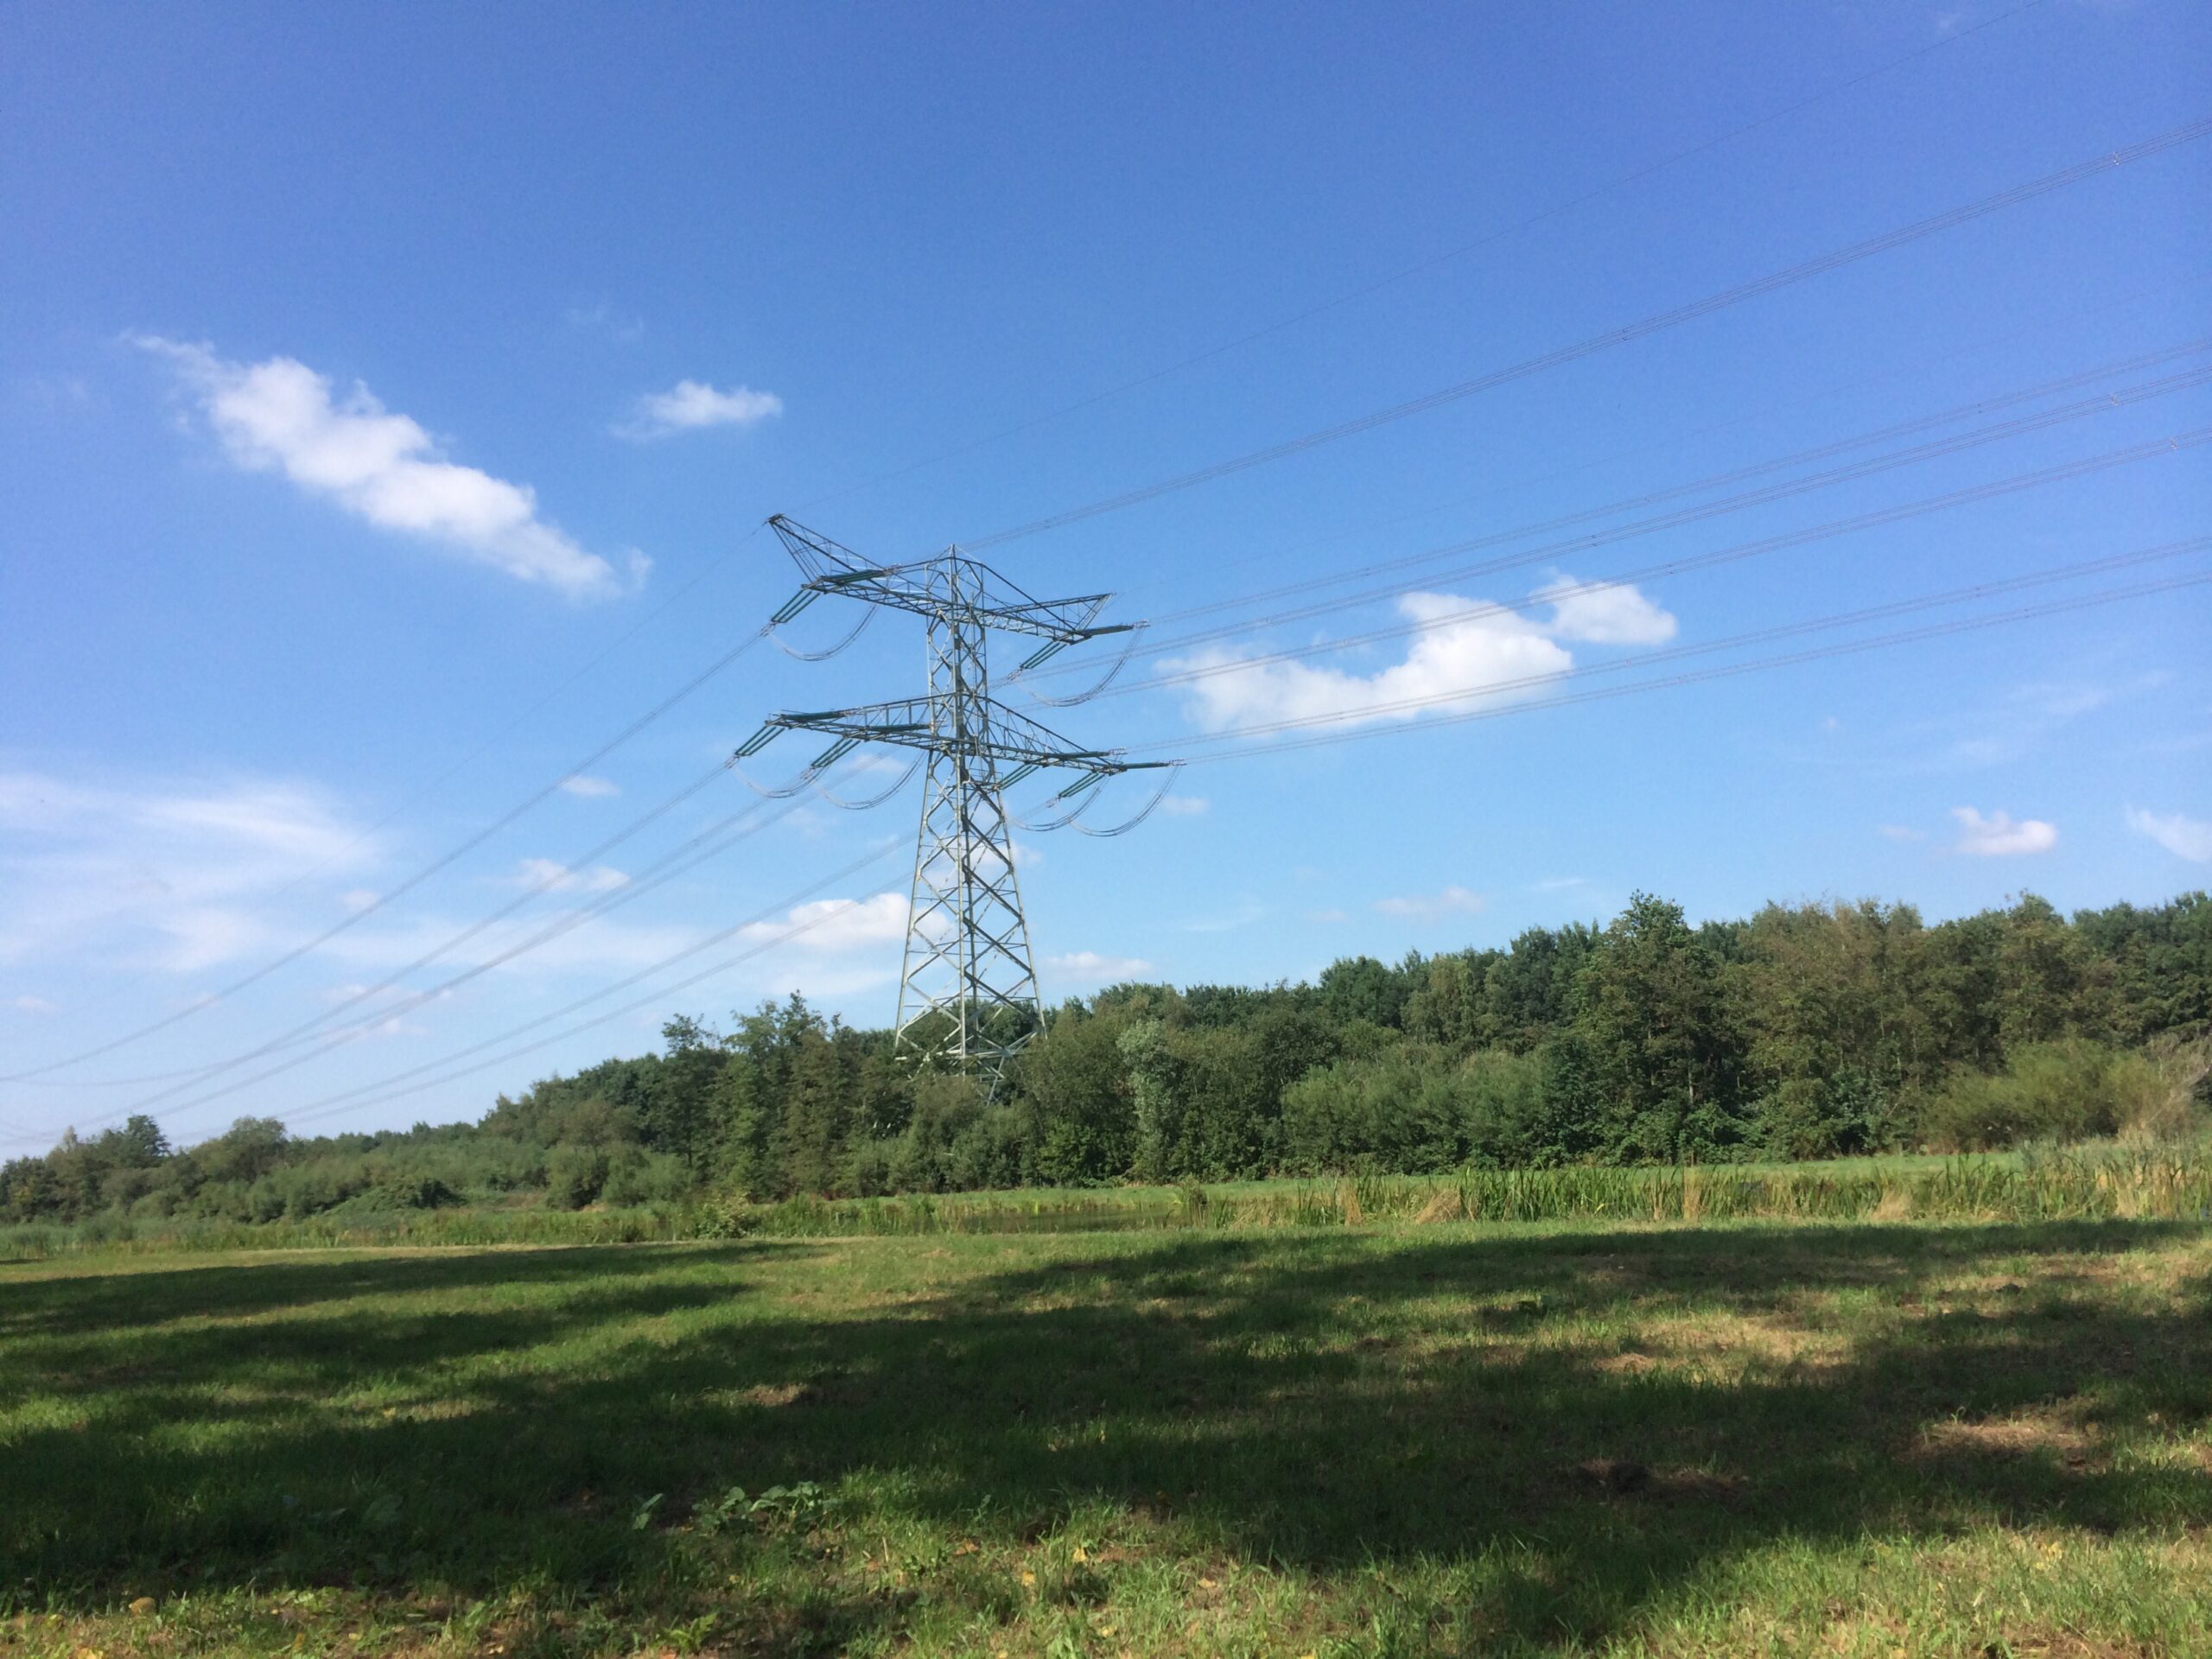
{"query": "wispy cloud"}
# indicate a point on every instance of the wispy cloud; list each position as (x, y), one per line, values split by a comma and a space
(2006, 725)
(1430, 907)
(1327, 917)
(1997, 837)
(1242, 914)
(621, 326)
(1561, 883)
(2185, 837)
(1184, 806)
(693, 406)
(32, 1005)
(281, 415)
(1090, 968)
(589, 788)
(1456, 661)
(177, 876)
(1899, 832)
(554, 876)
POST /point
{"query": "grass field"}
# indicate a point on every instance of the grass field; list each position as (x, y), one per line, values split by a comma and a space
(2162, 1181)
(1454, 1437)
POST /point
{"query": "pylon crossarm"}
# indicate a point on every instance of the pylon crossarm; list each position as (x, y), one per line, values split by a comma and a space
(991, 599)
(1000, 735)
(1053, 647)
(815, 554)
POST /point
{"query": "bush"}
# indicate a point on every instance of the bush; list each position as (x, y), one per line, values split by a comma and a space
(574, 1176)
(1416, 1112)
(635, 1176)
(1839, 1115)
(2051, 1091)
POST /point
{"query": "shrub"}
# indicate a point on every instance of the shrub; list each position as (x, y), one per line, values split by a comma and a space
(635, 1176)
(1502, 1110)
(2051, 1091)
(574, 1176)
(1416, 1111)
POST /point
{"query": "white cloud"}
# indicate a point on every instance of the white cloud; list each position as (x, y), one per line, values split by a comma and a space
(2185, 837)
(589, 788)
(281, 415)
(693, 405)
(1451, 662)
(1184, 806)
(839, 923)
(551, 874)
(34, 1005)
(1090, 968)
(1605, 614)
(1428, 906)
(1997, 837)
(1463, 655)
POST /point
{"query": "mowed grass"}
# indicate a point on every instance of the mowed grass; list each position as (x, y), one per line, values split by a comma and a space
(1966, 1438)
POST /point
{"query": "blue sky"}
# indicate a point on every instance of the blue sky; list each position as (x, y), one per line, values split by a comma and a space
(365, 373)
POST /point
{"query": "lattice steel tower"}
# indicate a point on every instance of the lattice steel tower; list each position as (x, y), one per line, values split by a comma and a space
(968, 993)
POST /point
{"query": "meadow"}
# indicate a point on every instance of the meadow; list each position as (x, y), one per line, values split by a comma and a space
(1615, 1436)
(2157, 1180)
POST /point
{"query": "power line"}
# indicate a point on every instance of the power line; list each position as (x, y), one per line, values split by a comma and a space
(350, 1099)
(2054, 607)
(1418, 268)
(444, 861)
(1152, 646)
(414, 1079)
(581, 671)
(718, 839)
(1757, 636)
(561, 876)
(2057, 473)
(1651, 324)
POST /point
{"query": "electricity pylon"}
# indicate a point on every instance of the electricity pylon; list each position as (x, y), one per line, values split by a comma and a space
(968, 993)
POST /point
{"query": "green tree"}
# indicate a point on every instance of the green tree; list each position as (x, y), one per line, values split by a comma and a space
(1662, 1053)
(1082, 1107)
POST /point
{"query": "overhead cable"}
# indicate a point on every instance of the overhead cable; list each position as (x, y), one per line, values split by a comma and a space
(2186, 380)
(1640, 329)
(2152, 449)
(1422, 266)
(444, 861)
(1351, 722)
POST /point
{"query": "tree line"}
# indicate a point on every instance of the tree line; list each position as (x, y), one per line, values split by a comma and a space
(1805, 1031)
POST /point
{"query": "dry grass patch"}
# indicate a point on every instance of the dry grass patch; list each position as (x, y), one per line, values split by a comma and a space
(2029, 1434)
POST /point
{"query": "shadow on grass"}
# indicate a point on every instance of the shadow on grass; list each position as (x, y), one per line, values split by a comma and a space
(1318, 1400)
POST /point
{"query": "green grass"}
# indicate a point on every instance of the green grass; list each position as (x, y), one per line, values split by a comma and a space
(2161, 1181)
(1587, 1437)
